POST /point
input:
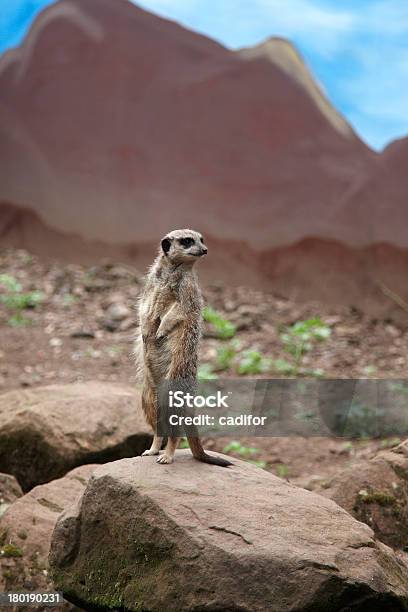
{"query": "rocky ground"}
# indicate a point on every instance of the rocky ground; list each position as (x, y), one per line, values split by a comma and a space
(69, 400)
(83, 325)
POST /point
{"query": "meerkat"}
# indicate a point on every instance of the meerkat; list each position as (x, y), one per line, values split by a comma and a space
(170, 318)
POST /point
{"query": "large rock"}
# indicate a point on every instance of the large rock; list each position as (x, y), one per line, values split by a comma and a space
(47, 431)
(196, 537)
(26, 529)
(376, 492)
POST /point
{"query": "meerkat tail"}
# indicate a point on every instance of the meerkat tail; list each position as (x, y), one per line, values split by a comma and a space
(200, 454)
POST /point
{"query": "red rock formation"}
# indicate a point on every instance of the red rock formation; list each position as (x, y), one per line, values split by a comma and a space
(117, 125)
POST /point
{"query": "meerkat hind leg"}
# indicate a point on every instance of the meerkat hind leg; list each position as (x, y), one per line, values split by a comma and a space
(155, 447)
(170, 449)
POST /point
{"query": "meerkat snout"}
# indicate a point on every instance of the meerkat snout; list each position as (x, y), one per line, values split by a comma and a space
(183, 245)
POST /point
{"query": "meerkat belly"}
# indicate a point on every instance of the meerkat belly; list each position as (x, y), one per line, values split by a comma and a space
(161, 323)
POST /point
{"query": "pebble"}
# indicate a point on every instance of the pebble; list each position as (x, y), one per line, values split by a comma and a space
(118, 312)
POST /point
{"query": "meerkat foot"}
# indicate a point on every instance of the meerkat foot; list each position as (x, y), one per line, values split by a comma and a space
(164, 459)
(149, 452)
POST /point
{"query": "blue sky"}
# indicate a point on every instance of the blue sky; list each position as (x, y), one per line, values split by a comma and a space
(357, 49)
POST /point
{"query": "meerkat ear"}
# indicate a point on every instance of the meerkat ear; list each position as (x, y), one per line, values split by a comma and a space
(165, 244)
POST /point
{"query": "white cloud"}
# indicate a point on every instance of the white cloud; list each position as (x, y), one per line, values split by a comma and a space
(324, 28)
(358, 49)
(296, 16)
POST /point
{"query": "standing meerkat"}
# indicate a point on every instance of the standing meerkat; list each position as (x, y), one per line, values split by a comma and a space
(170, 319)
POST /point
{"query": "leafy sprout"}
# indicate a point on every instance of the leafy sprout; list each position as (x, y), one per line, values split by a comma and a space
(246, 452)
(253, 362)
(298, 339)
(206, 372)
(224, 328)
(15, 300)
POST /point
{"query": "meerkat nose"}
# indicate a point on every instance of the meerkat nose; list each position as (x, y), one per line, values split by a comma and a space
(204, 251)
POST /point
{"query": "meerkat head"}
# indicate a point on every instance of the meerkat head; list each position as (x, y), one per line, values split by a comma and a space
(183, 246)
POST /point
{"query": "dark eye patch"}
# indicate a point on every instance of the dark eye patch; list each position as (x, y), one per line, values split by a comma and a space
(186, 242)
(202, 238)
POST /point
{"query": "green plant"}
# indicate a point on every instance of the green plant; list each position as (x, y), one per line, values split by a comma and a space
(228, 356)
(240, 449)
(390, 442)
(224, 328)
(10, 550)
(369, 370)
(398, 387)
(298, 339)
(19, 320)
(309, 417)
(68, 299)
(253, 362)
(225, 356)
(206, 372)
(246, 452)
(284, 367)
(364, 421)
(282, 470)
(15, 300)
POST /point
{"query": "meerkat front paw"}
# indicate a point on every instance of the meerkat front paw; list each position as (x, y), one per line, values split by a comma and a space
(164, 459)
(150, 452)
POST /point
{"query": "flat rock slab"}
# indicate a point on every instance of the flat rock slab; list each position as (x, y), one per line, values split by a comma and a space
(26, 529)
(191, 536)
(47, 431)
(376, 492)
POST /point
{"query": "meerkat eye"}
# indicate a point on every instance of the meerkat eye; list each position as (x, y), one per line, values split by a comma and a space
(202, 238)
(186, 242)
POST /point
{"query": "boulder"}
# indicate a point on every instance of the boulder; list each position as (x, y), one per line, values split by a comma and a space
(26, 529)
(46, 431)
(376, 492)
(192, 536)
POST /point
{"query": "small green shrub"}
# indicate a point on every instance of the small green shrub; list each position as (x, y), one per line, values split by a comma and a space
(282, 470)
(253, 362)
(224, 328)
(298, 339)
(206, 372)
(364, 421)
(9, 550)
(246, 452)
(15, 300)
(225, 356)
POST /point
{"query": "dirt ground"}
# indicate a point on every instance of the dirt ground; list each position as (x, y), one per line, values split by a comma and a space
(83, 329)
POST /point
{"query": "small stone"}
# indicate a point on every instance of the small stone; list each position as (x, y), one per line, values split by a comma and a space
(118, 312)
(83, 334)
